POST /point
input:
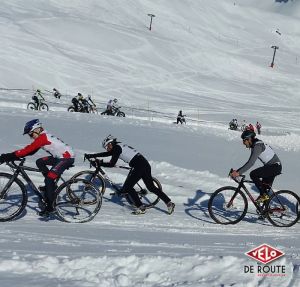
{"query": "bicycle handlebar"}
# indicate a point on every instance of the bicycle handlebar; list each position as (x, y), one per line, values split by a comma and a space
(96, 163)
(235, 179)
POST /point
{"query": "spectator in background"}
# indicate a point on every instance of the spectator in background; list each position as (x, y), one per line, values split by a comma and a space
(258, 127)
(251, 127)
(56, 93)
(180, 117)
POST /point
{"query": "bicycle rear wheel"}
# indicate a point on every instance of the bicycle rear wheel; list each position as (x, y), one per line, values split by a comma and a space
(83, 204)
(227, 205)
(283, 208)
(31, 106)
(13, 197)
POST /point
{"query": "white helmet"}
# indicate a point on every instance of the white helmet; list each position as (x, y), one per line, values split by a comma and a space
(107, 140)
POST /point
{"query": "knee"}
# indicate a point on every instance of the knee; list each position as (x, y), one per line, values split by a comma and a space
(40, 162)
(253, 174)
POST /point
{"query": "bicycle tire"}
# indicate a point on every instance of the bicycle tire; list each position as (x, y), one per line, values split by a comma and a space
(16, 192)
(96, 179)
(43, 107)
(282, 209)
(31, 106)
(218, 207)
(148, 198)
(84, 204)
(121, 114)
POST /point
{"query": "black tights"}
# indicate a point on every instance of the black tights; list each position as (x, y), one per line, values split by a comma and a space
(267, 173)
(141, 169)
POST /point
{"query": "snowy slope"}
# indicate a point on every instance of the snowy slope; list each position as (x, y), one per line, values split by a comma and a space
(209, 58)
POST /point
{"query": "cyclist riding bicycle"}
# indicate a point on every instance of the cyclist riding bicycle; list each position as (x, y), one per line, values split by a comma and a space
(62, 157)
(38, 97)
(140, 169)
(272, 165)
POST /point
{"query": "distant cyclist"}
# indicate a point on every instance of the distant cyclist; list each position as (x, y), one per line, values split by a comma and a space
(38, 97)
(61, 157)
(141, 169)
(262, 176)
(111, 106)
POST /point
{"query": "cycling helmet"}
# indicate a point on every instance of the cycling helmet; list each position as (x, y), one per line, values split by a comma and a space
(107, 140)
(248, 134)
(32, 125)
(115, 100)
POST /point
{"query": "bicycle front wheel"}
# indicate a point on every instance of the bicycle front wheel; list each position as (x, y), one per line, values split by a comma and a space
(44, 107)
(83, 205)
(13, 197)
(227, 205)
(283, 208)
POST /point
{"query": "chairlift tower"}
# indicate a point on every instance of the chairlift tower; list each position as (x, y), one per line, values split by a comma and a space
(151, 16)
(275, 48)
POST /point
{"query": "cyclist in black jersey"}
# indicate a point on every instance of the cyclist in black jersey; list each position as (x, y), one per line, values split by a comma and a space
(141, 169)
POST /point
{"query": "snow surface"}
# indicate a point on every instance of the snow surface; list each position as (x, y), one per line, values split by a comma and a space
(209, 58)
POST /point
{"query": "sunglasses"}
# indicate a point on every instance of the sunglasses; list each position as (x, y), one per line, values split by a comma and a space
(31, 134)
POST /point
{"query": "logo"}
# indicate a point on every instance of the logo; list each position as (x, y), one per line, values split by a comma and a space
(265, 253)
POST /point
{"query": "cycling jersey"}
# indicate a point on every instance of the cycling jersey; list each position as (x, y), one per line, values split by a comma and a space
(263, 152)
(50, 144)
(128, 153)
(122, 151)
(267, 154)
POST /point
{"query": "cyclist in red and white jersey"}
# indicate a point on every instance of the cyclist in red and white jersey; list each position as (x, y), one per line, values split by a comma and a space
(61, 158)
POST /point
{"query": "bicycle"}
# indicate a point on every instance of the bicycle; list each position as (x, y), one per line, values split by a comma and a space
(229, 205)
(115, 111)
(38, 105)
(99, 178)
(85, 203)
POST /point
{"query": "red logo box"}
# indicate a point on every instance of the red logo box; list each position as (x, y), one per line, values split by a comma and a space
(265, 253)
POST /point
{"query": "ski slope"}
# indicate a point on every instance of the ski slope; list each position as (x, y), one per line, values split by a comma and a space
(209, 58)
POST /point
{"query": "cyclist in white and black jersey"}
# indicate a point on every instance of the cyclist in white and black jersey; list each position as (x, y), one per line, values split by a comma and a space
(141, 169)
(271, 163)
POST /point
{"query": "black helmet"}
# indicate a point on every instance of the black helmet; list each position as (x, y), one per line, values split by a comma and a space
(248, 134)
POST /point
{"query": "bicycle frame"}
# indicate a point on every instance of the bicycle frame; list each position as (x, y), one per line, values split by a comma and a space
(98, 169)
(21, 170)
(241, 187)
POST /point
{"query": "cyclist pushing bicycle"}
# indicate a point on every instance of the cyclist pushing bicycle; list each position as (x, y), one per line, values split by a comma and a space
(141, 169)
(270, 169)
(61, 158)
